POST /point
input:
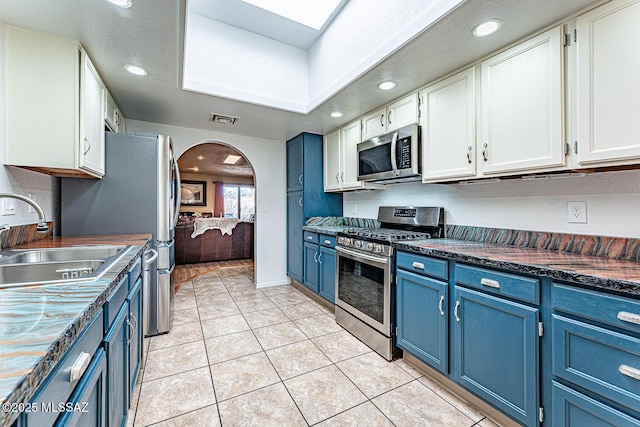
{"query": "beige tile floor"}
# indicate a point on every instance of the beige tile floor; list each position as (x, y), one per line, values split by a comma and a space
(237, 356)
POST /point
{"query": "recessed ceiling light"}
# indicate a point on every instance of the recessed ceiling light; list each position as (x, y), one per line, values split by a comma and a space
(195, 169)
(121, 3)
(336, 114)
(231, 159)
(387, 85)
(487, 27)
(200, 157)
(312, 14)
(134, 69)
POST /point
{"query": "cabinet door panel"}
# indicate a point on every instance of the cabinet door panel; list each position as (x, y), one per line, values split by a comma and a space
(449, 129)
(311, 272)
(91, 119)
(295, 163)
(522, 106)
(422, 326)
(332, 161)
(608, 85)
(115, 344)
(327, 273)
(496, 352)
(295, 222)
(374, 124)
(403, 112)
(135, 337)
(350, 136)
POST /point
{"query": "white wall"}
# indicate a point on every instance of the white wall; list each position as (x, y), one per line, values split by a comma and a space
(16, 180)
(613, 203)
(268, 158)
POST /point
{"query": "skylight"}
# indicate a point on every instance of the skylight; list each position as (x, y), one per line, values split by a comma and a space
(312, 13)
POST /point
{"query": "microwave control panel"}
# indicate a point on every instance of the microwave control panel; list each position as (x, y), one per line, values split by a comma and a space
(404, 153)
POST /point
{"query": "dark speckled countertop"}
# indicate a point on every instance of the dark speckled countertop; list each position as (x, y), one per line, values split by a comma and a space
(39, 323)
(605, 273)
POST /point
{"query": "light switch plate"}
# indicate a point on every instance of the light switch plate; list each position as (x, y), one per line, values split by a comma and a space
(8, 206)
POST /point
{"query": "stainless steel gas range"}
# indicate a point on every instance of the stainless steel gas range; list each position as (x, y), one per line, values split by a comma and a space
(365, 265)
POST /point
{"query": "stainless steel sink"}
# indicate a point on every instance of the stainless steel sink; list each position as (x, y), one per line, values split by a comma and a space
(60, 254)
(57, 265)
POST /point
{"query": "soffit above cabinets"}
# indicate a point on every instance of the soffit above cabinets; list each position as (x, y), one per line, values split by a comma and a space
(151, 34)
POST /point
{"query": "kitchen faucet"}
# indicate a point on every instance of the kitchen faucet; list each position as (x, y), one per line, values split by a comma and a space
(42, 226)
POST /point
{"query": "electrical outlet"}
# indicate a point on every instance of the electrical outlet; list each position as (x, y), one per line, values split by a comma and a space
(354, 208)
(8, 206)
(32, 197)
(577, 212)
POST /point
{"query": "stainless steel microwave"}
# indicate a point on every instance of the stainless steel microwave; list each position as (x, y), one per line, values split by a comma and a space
(393, 157)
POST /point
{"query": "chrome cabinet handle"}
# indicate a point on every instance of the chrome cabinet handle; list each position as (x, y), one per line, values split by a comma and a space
(417, 265)
(485, 152)
(79, 366)
(382, 120)
(300, 201)
(625, 316)
(131, 331)
(337, 176)
(87, 145)
(440, 305)
(319, 259)
(342, 176)
(469, 154)
(490, 283)
(455, 311)
(629, 371)
(300, 179)
(309, 237)
(327, 242)
(389, 116)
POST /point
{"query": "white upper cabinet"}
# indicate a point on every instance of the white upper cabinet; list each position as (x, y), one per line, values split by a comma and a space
(340, 158)
(402, 112)
(608, 86)
(522, 107)
(448, 128)
(54, 116)
(332, 150)
(113, 118)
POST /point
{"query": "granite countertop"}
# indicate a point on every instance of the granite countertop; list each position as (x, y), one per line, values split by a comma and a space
(39, 323)
(605, 273)
(331, 230)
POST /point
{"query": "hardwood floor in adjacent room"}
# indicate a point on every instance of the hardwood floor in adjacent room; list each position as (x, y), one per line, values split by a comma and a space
(185, 272)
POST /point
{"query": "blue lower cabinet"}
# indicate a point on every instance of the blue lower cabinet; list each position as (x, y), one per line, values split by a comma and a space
(327, 280)
(573, 409)
(87, 405)
(311, 267)
(496, 352)
(422, 319)
(116, 344)
(135, 334)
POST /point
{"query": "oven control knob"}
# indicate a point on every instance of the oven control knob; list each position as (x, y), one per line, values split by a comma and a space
(369, 246)
(378, 248)
(341, 240)
(358, 244)
(347, 241)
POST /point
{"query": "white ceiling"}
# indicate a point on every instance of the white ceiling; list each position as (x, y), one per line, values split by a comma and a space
(151, 34)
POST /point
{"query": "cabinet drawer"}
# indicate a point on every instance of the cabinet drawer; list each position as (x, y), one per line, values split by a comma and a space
(423, 265)
(114, 302)
(611, 310)
(517, 287)
(326, 240)
(310, 237)
(600, 360)
(58, 386)
(573, 409)
(135, 272)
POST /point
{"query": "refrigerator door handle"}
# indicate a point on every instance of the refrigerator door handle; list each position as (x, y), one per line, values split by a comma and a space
(150, 255)
(178, 195)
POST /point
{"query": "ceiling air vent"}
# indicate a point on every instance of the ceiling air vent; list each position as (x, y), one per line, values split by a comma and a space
(219, 118)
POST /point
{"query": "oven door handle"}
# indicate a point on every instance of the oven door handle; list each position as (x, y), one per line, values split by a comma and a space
(363, 257)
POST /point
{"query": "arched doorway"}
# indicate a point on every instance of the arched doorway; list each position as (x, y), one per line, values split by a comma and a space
(217, 182)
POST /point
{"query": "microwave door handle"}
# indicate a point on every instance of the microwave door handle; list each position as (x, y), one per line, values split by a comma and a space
(394, 164)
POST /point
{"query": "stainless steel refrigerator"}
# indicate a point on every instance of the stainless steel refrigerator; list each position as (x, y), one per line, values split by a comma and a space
(139, 193)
